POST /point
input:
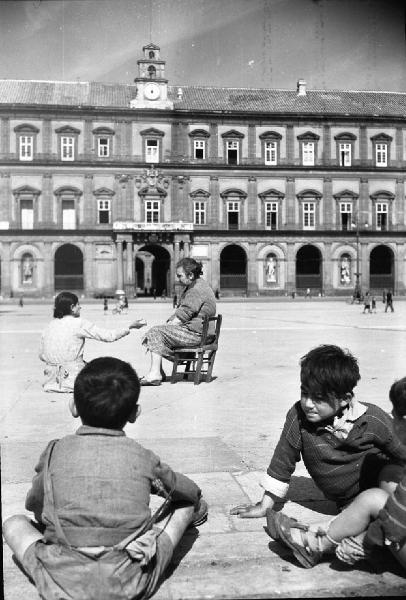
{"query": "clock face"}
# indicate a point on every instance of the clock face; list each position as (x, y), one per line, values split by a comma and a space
(152, 91)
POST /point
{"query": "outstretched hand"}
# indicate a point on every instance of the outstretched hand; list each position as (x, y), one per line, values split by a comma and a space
(137, 324)
(249, 511)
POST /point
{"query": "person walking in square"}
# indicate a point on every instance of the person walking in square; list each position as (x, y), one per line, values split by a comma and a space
(367, 303)
(94, 536)
(389, 301)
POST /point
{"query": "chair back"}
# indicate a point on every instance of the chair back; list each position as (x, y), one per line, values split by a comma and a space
(206, 325)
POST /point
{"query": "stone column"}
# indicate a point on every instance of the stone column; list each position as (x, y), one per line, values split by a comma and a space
(186, 249)
(363, 146)
(363, 202)
(49, 269)
(328, 203)
(399, 146)
(290, 145)
(88, 267)
(120, 273)
(290, 203)
(213, 216)
(87, 139)
(291, 267)
(46, 138)
(400, 202)
(252, 270)
(130, 283)
(5, 137)
(251, 144)
(213, 141)
(327, 283)
(6, 271)
(252, 203)
(326, 158)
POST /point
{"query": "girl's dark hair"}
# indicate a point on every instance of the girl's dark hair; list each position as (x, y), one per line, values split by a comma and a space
(329, 371)
(190, 265)
(106, 392)
(397, 395)
(63, 304)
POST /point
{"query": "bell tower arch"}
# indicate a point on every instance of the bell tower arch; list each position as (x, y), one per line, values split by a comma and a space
(151, 83)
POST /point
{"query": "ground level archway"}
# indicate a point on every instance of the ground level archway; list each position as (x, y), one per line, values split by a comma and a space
(309, 269)
(68, 273)
(152, 265)
(233, 269)
(381, 268)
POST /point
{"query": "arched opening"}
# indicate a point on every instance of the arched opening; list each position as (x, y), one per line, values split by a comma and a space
(233, 269)
(68, 268)
(309, 269)
(152, 264)
(345, 270)
(381, 268)
(271, 269)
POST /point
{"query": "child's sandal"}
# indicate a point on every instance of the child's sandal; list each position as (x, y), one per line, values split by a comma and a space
(281, 526)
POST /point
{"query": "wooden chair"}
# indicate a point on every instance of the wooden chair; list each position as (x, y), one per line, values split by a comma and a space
(195, 359)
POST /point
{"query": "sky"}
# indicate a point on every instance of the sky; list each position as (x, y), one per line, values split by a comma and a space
(332, 44)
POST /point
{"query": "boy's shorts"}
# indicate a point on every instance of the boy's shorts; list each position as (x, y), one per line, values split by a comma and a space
(67, 574)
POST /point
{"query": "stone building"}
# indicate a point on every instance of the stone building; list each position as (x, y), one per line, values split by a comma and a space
(104, 186)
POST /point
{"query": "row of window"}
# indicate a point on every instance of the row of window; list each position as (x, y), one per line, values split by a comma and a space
(152, 146)
(271, 214)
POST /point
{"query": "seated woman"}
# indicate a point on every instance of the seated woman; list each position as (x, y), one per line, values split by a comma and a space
(184, 327)
(63, 340)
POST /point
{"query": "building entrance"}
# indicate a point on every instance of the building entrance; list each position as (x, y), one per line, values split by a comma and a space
(233, 269)
(381, 269)
(68, 268)
(309, 269)
(152, 264)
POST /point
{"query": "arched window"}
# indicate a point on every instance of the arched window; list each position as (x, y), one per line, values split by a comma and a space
(151, 54)
(151, 72)
(345, 269)
(27, 269)
(271, 269)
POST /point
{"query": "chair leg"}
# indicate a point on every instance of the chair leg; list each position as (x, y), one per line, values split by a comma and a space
(210, 366)
(174, 369)
(199, 364)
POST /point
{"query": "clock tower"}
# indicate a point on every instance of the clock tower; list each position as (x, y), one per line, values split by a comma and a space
(152, 87)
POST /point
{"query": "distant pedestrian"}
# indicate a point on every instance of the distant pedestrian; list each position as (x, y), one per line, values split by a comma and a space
(217, 294)
(373, 304)
(389, 301)
(21, 301)
(105, 305)
(308, 293)
(367, 303)
(384, 296)
(163, 294)
(154, 293)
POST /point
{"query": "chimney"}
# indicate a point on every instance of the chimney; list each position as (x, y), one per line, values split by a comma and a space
(301, 87)
(180, 93)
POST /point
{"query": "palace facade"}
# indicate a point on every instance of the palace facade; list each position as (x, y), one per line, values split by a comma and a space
(105, 186)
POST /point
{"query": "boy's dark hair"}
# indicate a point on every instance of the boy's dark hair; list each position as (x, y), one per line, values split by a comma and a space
(329, 371)
(106, 392)
(190, 265)
(63, 304)
(397, 395)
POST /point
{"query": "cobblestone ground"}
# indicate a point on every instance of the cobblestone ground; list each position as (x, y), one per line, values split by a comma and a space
(222, 434)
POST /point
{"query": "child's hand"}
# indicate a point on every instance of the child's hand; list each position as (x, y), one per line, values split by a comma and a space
(138, 323)
(249, 511)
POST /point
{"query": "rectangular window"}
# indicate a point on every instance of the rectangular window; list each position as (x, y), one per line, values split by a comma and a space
(381, 216)
(103, 147)
(199, 148)
(271, 215)
(309, 215)
(346, 215)
(344, 151)
(308, 153)
(67, 148)
(68, 214)
(152, 151)
(233, 215)
(271, 153)
(104, 207)
(200, 213)
(26, 147)
(232, 152)
(152, 211)
(27, 214)
(381, 155)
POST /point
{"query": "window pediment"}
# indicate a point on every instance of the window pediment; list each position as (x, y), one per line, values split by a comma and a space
(309, 195)
(199, 133)
(103, 191)
(26, 190)
(346, 194)
(67, 130)
(345, 137)
(152, 132)
(308, 136)
(156, 192)
(68, 190)
(232, 134)
(382, 195)
(271, 193)
(382, 137)
(270, 136)
(26, 128)
(199, 194)
(103, 131)
(232, 193)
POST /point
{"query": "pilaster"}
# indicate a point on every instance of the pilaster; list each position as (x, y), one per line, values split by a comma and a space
(251, 143)
(400, 202)
(5, 137)
(328, 202)
(214, 202)
(252, 283)
(290, 145)
(252, 205)
(290, 203)
(213, 143)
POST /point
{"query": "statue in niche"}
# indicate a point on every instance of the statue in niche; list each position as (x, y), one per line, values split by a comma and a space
(345, 271)
(270, 269)
(27, 269)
